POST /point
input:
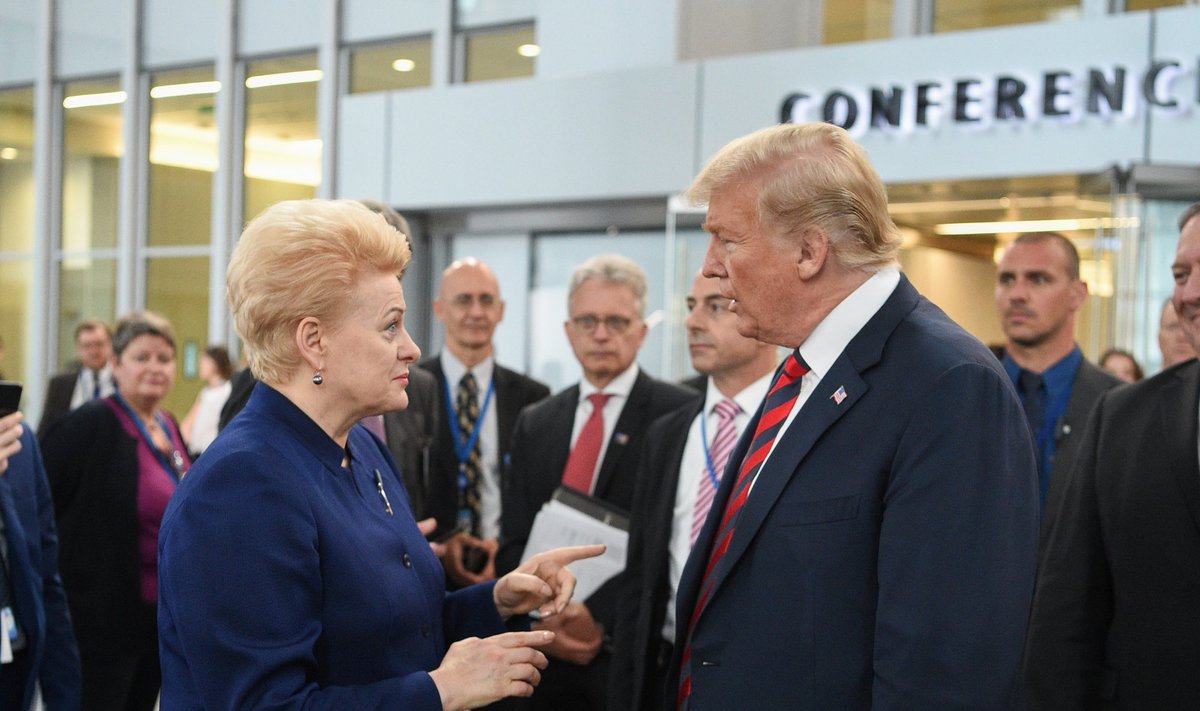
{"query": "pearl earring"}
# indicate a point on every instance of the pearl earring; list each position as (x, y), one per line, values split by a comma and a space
(318, 378)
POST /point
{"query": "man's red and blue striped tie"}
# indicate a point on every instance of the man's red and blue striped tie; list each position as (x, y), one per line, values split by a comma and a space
(780, 400)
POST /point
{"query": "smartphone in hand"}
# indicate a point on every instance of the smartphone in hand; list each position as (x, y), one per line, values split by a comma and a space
(10, 397)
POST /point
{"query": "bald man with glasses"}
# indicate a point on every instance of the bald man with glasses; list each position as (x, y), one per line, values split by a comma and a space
(587, 438)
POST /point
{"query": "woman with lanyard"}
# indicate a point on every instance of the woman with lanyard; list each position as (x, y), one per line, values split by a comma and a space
(113, 464)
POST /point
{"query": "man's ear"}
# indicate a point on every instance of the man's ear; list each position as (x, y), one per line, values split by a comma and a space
(310, 342)
(812, 250)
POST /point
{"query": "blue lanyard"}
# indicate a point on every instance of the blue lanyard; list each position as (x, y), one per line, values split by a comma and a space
(173, 469)
(462, 450)
(712, 471)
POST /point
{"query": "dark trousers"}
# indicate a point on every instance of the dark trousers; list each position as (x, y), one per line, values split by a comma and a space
(13, 677)
(128, 680)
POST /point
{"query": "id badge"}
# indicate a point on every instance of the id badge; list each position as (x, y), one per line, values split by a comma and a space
(8, 630)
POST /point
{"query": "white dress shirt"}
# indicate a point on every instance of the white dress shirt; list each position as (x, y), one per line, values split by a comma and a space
(827, 341)
(489, 438)
(618, 389)
(694, 465)
(85, 385)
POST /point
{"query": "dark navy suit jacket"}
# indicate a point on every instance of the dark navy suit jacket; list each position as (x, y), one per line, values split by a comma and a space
(39, 600)
(284, 583)
(885, 557)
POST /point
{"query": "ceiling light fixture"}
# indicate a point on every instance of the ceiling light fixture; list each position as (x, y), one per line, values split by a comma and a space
(193, 88)
(529, 50)
(1071, 225)
(282, 78)
(404, 65)
(106, 98)
(8, 153)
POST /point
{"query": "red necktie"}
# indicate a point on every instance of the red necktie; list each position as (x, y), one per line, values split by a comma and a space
(780, 401)
(581, 465)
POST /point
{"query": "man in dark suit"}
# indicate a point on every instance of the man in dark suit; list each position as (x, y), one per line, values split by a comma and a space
(589, 438)
(1116, 617)
(33, 606)
(90, 380)
(1038, 294)
(873, 543)
(479, 400)
(682, 462)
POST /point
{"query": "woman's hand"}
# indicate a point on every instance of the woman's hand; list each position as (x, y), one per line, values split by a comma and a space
(476, 672)
(542, 582)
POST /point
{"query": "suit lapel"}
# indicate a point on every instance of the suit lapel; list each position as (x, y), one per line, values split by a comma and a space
(505, 404)
(1180, 419)
(631, 420)
(558, 435)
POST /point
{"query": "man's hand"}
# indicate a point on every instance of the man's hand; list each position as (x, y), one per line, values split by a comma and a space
(462, 546)
(577, 636)
(542, 582)
(10, 438)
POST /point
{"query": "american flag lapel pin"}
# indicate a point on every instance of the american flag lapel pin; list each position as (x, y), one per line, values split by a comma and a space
(838, 395)
(620, 438)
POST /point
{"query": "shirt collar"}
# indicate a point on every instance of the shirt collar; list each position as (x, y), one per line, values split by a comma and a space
(1057, 378)
(620, 385)
(455, 369)
(748, 399)
(272, 404)
(827, 341)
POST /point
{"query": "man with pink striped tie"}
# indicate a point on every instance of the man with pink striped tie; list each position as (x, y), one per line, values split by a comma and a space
(873, 543)
(682, 465)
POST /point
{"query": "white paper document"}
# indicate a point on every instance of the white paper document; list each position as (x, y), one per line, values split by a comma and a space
(558, 525)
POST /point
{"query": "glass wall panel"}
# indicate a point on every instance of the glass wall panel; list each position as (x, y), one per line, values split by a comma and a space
(396, 65)
(554, 258)
(953, 15)
(91, 35)
(87, 289)
(283, 150)
(16, 170)
(857, 20)
(17, 278)
(500, 53)
(479, 13)
(18, 40)
(180, 31)
(92, 147)
(183, 156)
(177, 287)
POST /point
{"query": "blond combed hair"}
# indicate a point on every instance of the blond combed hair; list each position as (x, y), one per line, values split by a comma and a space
(299, 259)
(810, 175)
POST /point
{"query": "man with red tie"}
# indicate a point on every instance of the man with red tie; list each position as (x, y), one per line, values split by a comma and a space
(681, 467)
(587, 437)
(873, 541)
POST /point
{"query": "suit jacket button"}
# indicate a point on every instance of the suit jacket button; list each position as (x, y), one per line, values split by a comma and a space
(407, 559)
(425, 630)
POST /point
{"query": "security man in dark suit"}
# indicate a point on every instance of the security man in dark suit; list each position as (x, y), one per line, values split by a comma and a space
(90, 379)
(478, 404)
(1116, 615)
(683, 459)
(589, 438)
(1038, 294)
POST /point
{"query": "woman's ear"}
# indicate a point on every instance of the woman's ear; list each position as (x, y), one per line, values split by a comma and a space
(310, 342)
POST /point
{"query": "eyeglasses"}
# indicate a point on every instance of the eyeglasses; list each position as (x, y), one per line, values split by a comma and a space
(588, 323)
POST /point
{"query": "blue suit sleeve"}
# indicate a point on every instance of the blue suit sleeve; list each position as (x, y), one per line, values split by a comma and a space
(248, 625)
(957, 550)
(59, 677)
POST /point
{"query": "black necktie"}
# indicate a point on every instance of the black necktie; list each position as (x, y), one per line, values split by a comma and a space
(470, 470)
(1034, 390)
(96, 388)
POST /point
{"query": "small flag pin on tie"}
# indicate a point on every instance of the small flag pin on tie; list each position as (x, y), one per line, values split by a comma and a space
(839, 395)
(620, 438)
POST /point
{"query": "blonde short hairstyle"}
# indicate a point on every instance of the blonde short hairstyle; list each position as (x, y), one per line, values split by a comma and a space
(810, 174)
(612, 268)
(301, 258)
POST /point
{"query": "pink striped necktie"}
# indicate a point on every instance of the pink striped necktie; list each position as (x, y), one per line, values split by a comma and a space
(718, 456)
(780, 400)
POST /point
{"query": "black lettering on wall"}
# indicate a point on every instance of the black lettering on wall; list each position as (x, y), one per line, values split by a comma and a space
(925, 101)
(1009, 91)
(1050, 93)
(789, 107)
(885, 107)
(1150, 85)
(849, 109)
(963, 100)
(1112, 92)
